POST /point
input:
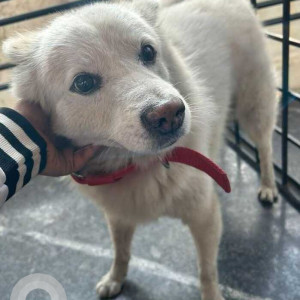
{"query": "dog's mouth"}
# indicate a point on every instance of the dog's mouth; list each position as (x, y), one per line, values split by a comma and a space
(112, 155)
(164, 141)
(154, 145)
(157, 145)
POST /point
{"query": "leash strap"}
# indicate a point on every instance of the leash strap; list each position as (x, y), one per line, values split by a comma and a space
(199, 161)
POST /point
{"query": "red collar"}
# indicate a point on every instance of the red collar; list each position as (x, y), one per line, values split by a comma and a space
(180, 155)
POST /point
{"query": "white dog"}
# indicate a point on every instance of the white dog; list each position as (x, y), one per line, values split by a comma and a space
(139, 79)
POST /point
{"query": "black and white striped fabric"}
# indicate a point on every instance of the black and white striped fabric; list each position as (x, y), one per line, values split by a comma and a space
(22, 153)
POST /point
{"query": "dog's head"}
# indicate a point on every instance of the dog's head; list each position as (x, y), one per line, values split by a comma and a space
(100, 73)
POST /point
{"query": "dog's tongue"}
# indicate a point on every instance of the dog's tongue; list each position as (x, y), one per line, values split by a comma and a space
(179, 155)
(199, 161)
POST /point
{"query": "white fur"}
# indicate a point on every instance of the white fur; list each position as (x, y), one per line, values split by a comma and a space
(211, 54)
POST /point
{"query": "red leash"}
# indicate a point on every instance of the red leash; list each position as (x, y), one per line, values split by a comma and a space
(180, 155)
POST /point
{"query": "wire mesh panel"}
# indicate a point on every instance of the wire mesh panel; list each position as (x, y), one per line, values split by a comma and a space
(288, 184)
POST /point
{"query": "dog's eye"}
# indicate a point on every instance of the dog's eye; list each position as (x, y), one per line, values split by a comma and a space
(85, 83)
(148, 54)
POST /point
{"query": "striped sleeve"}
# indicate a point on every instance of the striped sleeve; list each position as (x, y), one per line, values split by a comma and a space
(22, 153)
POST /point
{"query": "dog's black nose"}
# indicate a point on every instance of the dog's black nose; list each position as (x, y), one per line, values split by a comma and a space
(164, 118)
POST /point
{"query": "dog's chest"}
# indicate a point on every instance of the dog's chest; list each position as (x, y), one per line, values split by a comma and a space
(145, 196)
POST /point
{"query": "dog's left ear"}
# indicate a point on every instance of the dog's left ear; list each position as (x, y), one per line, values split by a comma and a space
(148, 9)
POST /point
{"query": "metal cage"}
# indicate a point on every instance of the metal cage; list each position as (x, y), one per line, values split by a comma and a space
(288, 185)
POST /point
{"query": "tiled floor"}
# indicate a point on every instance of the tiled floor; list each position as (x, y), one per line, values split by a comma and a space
(50, 228)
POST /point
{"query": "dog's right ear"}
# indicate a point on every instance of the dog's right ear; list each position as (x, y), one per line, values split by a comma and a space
(19, 49)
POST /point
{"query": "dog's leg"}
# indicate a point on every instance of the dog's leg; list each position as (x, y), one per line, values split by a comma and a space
(256, 105)
(121, 233)
(258, 121)
(268, 191)
(206, 231)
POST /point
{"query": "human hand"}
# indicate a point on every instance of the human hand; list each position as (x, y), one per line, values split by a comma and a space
(60, 162)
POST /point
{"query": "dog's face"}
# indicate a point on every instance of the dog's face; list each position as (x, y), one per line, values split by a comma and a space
(100, 73)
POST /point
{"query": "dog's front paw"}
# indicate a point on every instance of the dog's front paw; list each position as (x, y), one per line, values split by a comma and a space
(267, 195)
(215, 297)
(211, 292)
(108, 288)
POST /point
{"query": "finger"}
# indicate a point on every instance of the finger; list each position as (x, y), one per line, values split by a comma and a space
(82, 156)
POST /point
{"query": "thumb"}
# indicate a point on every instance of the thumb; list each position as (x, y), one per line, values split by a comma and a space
(82, 156)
